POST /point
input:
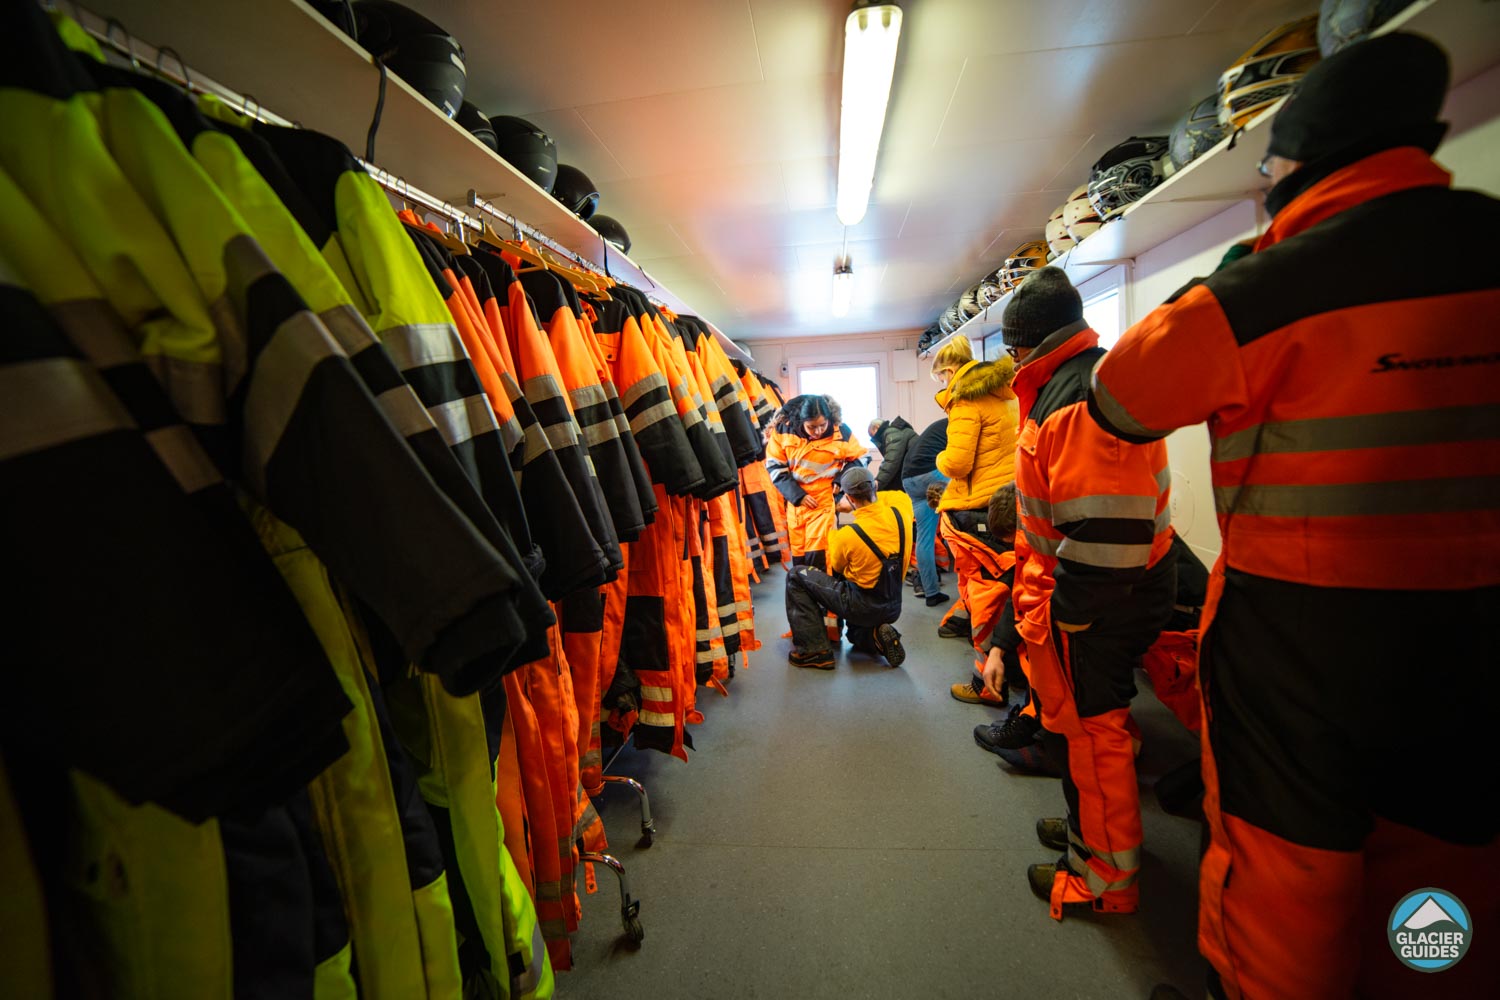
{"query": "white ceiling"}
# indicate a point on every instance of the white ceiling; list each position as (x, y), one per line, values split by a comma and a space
(711, 130)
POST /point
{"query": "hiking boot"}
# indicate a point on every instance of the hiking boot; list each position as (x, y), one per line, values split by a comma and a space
(1011, 733)
(819, 660)
(933, 600)
(973, 693)
(888, 641)
(1053, 833)
(917, 591)
(913, 577)
(1041, 877)
(955, 628)
(1030, 759)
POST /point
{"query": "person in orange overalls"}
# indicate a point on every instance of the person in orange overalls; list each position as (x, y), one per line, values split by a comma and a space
(806, 450)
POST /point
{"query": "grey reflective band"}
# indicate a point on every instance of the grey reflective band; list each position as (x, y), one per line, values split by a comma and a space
(1413, 496)
(536, 444)
(1112, 505)
(298, 346)
(1163, 480)
(459, 420)
(1163, 520)
(180, 452)
(661, 411)
(511, 434)
(1406, 428)
(404, 410)
(97, 331)
(1107, 555)
(596, 434)
(415, 345)
(1118, 417)
(561, 435)
(1041, 544)
(196, 388)
(645, 385)
(1034, 507)
(54, 401)
(349, 329)
(587, 395)
(540, 388)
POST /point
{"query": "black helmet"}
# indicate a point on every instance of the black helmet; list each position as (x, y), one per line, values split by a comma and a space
(576, 191)
(415, 49)
(612, 232)
(1343, 22)
(1195, 133)
(477, 123)
(527, 148)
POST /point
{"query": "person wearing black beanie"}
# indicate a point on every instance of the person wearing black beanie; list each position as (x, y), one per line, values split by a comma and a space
(1351, 402)
(1095, 582)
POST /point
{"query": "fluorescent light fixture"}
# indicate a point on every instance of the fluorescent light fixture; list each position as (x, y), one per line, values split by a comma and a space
(870, 36)
(843, 285)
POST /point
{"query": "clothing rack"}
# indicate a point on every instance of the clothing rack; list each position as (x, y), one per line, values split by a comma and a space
(165, 62)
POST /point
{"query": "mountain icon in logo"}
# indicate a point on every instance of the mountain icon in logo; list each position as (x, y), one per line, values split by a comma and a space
(1428, 914)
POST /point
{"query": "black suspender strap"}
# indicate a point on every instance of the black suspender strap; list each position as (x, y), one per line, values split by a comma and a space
(866, 539)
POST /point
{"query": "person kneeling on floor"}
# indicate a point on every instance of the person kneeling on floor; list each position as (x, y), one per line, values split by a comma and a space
(866, 561)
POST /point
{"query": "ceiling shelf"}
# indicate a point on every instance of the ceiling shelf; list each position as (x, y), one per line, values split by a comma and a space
(295, 63)
(1468, 29)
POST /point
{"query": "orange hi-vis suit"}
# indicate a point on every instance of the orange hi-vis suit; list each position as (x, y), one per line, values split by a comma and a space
(1095, 550)
(985, 569)
(1356, 469)
(799, 468)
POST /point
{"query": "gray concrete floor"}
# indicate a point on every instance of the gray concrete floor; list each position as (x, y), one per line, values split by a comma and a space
(839, 834)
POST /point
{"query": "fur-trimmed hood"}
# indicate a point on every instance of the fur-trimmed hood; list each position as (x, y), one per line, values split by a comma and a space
(978, 379)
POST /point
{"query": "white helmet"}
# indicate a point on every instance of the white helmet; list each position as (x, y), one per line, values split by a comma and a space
(1079, 217)
(1058, 240)
(990, 291)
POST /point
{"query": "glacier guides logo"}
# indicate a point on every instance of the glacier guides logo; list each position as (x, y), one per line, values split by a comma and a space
(1430, 930)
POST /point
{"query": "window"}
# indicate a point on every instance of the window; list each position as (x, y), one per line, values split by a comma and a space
(994, 347)
(1102, 312)
(856, 387)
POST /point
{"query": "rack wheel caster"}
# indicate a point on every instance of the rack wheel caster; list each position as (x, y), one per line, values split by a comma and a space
(630, 908)
(648, 825)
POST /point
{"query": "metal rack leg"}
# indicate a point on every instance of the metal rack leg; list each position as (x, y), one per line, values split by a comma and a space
(648, 826)
(630, 909)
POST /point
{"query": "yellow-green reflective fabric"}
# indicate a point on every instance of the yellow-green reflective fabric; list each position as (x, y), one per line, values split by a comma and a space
(333, 979)
(148, 899)
(354, 805)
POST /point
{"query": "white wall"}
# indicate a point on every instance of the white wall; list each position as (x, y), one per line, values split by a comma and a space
(906, 390)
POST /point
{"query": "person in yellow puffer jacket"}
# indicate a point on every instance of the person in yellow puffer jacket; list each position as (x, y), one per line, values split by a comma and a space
(980, 457)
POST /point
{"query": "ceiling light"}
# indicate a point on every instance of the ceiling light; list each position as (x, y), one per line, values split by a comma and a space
(843, 285)
(870, 35)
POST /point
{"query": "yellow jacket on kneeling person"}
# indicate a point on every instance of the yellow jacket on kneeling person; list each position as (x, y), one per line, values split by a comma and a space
(849, 556)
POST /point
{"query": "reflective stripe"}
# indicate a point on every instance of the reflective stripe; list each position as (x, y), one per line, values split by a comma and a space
(417, 344)
(536, 444)
(1104, 505)
(1118, 417)
(542, 387)
(1163, 480)
(1041, 544)
(549, 892)
(592, 758)
(657, 719)
(653, 381)
(1034, 507)
(1109, 555)
(462, 419)
(733, 628)
(707, 656)
(53, 401)
(511, 434)
(1163, 520)
(1415, 496)
(656, 693)
(587, 395)
(704, 635)
(349, 329)
(531, 978)
(97, 331)
(404, 410)
(298, 346)
(1375, 430)
(180, 452)
(598, 433)
(196, 388)
(561, 435)
(661, 411)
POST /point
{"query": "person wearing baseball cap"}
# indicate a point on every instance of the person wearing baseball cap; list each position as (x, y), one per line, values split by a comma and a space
(867, 563)
(1351, 400)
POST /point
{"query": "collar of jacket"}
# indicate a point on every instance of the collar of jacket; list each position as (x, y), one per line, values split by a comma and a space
(1375, 176)
(975, 379)
(1049, 356)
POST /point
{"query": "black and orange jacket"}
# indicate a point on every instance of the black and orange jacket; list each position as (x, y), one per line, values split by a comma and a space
(1094, 517)
(1352, 398)
(647, 398)
(728, 394)
(590, 403)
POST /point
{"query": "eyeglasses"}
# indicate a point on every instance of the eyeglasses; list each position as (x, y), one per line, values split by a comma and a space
(1264, 166)
(1014, 352)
